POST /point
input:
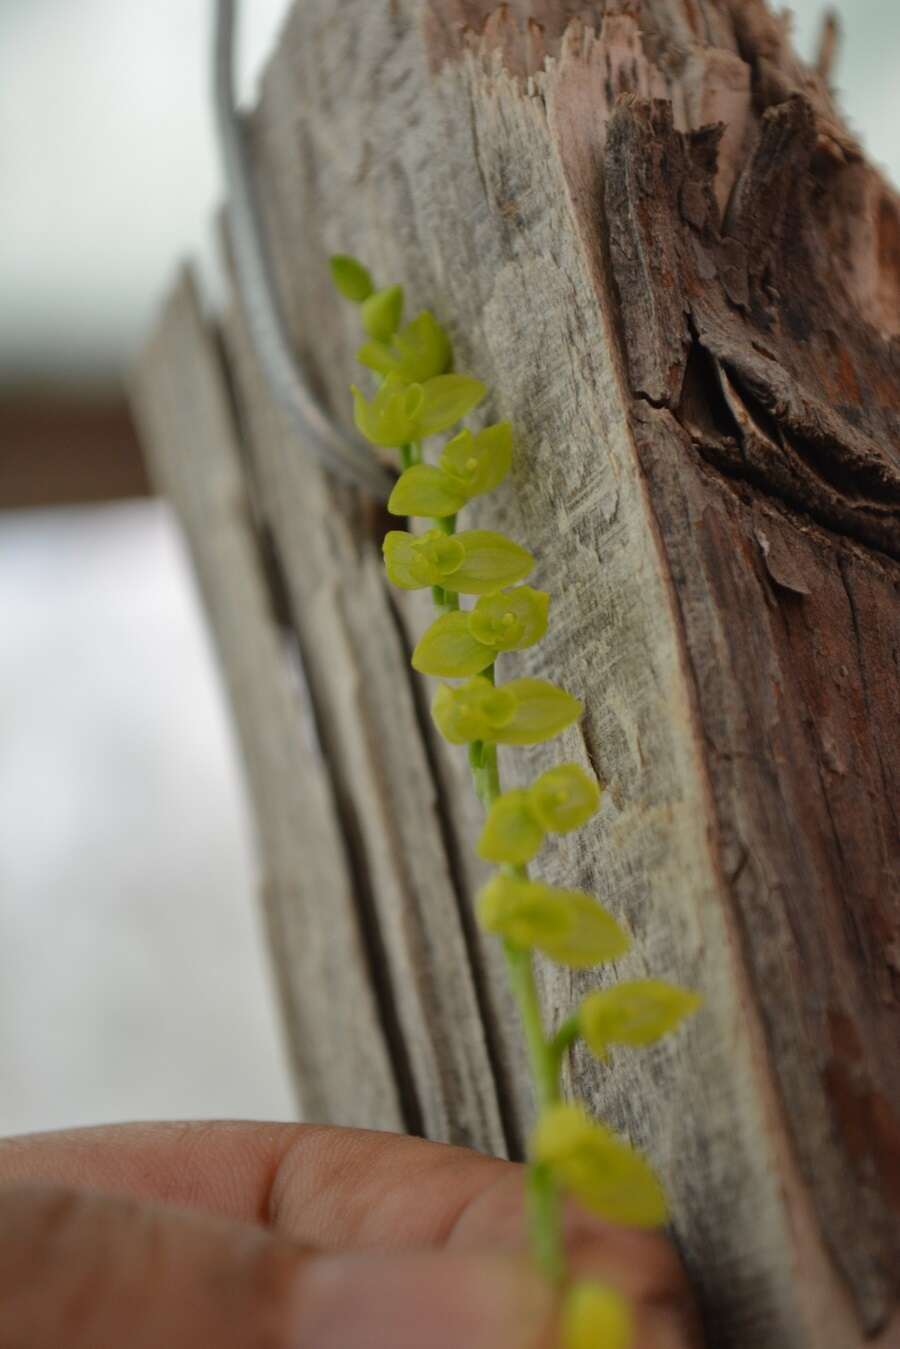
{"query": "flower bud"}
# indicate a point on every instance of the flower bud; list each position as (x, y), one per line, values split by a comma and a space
(601, 1169)
(595, 1316)
(569, 926)
(350, 278)
(637, 1013)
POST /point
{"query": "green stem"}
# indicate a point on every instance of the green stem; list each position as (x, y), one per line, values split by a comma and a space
(519, 964)
(563, 1040)
(544, 1055)
(445, 600)
(544, 1198)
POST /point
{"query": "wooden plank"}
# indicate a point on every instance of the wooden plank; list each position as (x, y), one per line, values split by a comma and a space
(471, 167)
(371, 729)
(390, 178)
(690, 330)
(338, 1044)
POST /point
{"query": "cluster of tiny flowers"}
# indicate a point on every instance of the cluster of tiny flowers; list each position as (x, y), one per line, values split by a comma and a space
(418, 397)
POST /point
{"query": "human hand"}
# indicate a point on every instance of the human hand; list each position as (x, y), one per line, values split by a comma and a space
(270, 1236)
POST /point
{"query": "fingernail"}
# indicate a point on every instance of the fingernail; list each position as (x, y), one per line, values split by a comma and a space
(444, 1301)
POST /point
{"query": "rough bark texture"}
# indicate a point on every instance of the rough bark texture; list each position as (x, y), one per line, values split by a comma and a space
(654, 238)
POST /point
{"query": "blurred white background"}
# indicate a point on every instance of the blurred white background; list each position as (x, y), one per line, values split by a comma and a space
(133, 979)
(133, 976)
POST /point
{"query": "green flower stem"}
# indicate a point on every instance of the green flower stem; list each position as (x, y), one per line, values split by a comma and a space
(544, 1199)
(565, 1037)
(544, 1055)
(445, 601)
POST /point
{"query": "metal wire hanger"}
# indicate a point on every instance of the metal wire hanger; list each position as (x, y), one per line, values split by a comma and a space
(349, 460)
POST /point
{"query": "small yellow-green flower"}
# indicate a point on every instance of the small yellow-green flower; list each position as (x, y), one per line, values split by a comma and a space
(601, 1169)
(424, 490)
(510, 620)
(482, 460)
(469, 465)
(473, 562)
(562, 799)
(635, 1013)
(416, 353)
(521, 712)
(465, 642)
(478, 710)
(401, 413)
(381, 313)
(512, 833)
(595, 1316)
(569, 926)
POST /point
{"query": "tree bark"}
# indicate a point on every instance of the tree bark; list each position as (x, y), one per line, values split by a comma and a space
(656, 241)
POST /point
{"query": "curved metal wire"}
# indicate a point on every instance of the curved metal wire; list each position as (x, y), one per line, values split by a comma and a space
(268, 332)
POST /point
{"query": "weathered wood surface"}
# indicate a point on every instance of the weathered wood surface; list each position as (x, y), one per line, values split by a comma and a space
(691, 330)
(184, 409)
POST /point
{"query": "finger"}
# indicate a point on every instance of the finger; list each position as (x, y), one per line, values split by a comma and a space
(85, 1270)
(326, 1186)
(641, 1265)
(335, 1188)
(223, 1168)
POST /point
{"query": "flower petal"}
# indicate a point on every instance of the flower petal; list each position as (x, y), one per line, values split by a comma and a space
(474, 711)
(403, 561)
(511, 834)
(491, 562)
(447, 399)
(481, 461)
(416, 560)
(425, 490)
(604, 1171)
(542, 711)
(377, 356)
(350, 277)
(422, 349)
(381, 313)
(637, 1013)
(449, 650)
(511, 620)
(569, 926)
(390, 418)
(564, 798)
(595, 1315)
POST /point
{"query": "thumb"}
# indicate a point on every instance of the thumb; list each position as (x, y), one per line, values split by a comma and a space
(80, 1269)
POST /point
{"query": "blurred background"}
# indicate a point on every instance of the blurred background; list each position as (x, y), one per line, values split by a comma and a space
(133, 976)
